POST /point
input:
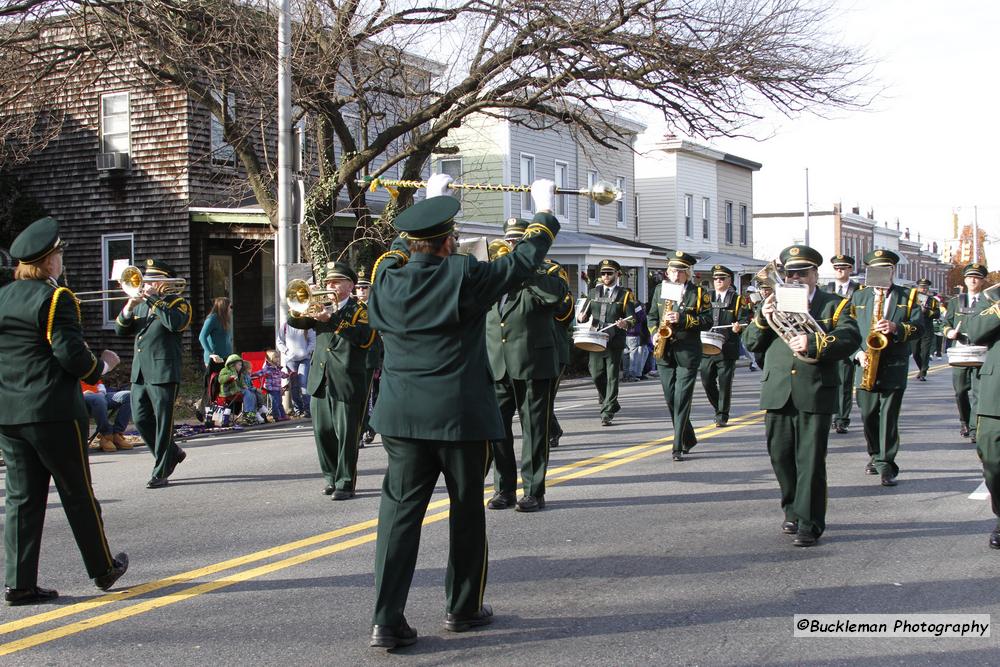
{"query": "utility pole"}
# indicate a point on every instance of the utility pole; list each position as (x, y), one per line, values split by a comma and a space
(975, 233)
(284, 242)
(807, 205)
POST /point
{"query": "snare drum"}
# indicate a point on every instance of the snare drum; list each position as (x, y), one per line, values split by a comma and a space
(712, 342)
(590, 340)
(967, 355)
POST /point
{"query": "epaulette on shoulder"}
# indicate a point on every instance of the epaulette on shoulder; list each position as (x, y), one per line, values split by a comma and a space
(401, 256)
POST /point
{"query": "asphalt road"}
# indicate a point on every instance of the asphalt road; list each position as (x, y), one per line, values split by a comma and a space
(636, 560)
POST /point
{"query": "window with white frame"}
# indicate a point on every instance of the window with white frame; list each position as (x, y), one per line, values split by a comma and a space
(688, 213)
(527, 177)
(592, 214)
(452, 167)
(743, 224)
(115, 123)
(117, 252)
(620, 204)
(222, 152)
(729, 222)
(562, 182)
(704, 217)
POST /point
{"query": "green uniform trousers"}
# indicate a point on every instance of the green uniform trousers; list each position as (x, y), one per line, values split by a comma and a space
(678, 390)
(921, 348)
(845, 397)
(337, 430)
(988, 446)
(153, 415)
(410, 477)
(555, 429)
(370, 397)
(604, 369)
(36, 453)
(532, 400)
(880, 417)
(796, 443)
(717, 379)
(965, 381)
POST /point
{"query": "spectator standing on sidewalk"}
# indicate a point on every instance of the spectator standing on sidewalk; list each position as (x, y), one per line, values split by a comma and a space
(296, 347)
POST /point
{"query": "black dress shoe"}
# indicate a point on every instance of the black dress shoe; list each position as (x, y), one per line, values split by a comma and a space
(178, 458)
(805, 538)
(678, 456)
(15, 597)
(329, 489)
(972, 438)
(605, 421)
(721, 421)
(501, 501)
(922, 378)
(156, 482)
(870, 469)
(369, 436)
(530, 503)
(888, 479)
(841, 429)
(343, 494)
(994, 540)
(790, 527)
(463, 622)
(106, 581)
(392, 636)
(964, 430)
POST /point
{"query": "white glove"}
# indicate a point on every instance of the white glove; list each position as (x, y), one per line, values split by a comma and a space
(543, 195)
(437, 185)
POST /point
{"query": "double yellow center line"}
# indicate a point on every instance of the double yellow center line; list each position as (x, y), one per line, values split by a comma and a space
(356, 535)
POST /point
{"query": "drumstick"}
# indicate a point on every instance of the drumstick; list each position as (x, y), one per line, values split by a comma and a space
(611, 326)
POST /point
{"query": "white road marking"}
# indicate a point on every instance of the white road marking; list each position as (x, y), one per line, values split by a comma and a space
(980, 493)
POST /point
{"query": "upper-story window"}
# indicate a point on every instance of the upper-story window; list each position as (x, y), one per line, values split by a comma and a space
(743, 224)
(117, 252)
(688, 213)
(620, 204)
(527, 176)
(562, 182)
(729, 222)
(452, 167)
(115, 123)
(592, 214)
(704, 217)
(222, 151)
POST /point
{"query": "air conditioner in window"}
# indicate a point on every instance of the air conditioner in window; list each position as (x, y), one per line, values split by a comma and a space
(112, 161)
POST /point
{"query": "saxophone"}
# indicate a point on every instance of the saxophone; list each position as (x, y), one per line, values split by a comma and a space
(876, 341)
(665, 332)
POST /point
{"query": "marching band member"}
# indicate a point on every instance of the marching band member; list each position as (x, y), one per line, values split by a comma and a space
(799, 396)
(609, 303)
(157, 319)
(41, 343)
(337, 383)
(373, 366)
(965, 379)
(843, 285)
(717, 370)
(562, 329)
(895, 325)
(930, 310)
(437, 410)
(524, 362)
(681, 350)
(984, 329)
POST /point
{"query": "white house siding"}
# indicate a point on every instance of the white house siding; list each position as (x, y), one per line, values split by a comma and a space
(546, 146)
(735, 185)
(656, 184)
(609, 165)
(481, 142)
(696, 176)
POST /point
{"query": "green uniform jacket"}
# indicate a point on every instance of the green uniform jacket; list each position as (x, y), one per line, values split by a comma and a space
(984, 329)
(696, 316)
(562, 320)
(157, 325)
(520, 337)
(811, 387)
(619, 306)
(43, 356)
(904, 310)
(726, 310)
(431, 312)
(337, 369)
(958, 312)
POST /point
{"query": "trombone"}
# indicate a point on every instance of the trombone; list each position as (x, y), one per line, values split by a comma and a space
(305, 300)
(131, 281)
(601, 192)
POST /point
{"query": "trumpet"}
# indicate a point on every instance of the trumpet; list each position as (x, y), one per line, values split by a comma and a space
(305, 300)
(131, 281)
(601, 192)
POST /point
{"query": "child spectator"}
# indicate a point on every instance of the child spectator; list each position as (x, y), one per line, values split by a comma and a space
(230, 388)
(273, 373)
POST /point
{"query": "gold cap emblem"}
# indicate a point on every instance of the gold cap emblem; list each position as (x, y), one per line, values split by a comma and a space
(149, 262)
(678, 254)
(878, 253)
(793, 252)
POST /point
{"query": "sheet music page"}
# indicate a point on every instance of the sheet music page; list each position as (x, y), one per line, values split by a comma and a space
(792, 298)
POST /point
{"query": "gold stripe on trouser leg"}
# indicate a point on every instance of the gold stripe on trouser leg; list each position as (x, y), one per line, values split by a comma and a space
(81, 446)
